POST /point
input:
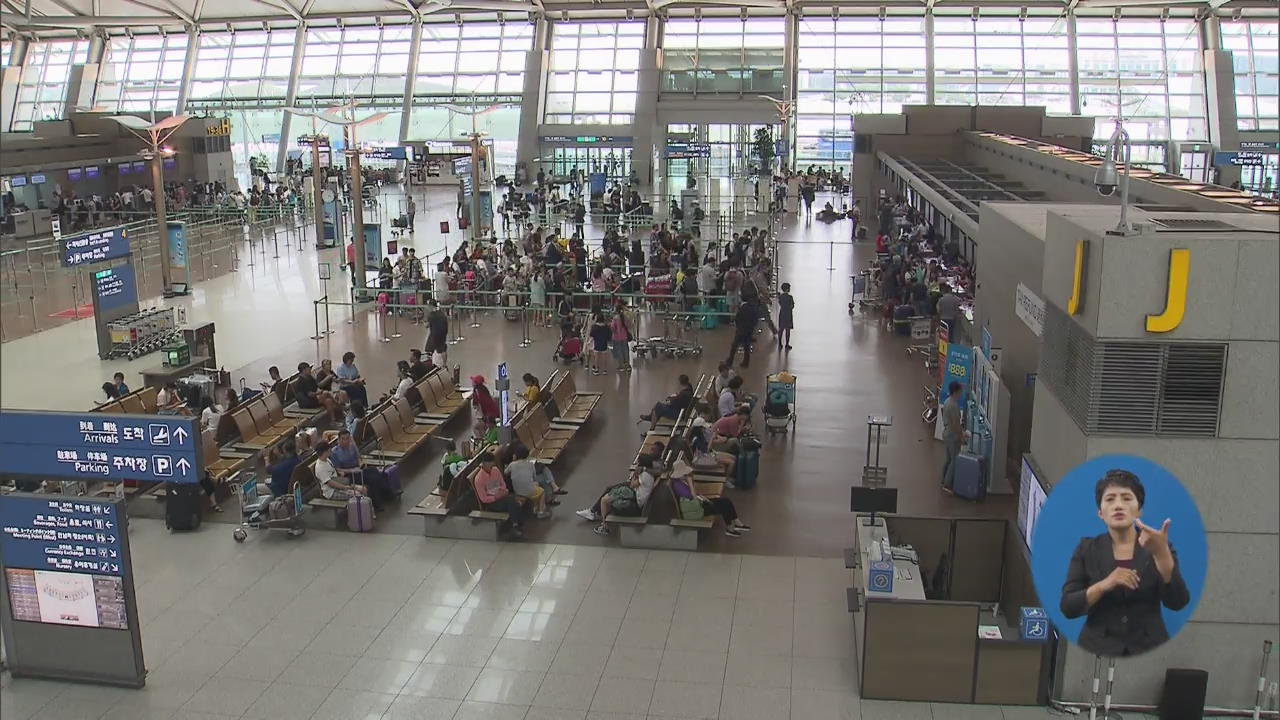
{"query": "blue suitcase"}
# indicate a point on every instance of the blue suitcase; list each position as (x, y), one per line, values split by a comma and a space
(748, 469)
(971, 477)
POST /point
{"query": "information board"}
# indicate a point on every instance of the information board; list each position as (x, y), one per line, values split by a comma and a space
(84, 446)
(97, 246)
(688, 150)
(67, 583)
(115, 288)
(384, 153)
(1243, 158)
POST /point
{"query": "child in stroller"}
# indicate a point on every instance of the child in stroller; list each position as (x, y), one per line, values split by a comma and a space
(569, 349)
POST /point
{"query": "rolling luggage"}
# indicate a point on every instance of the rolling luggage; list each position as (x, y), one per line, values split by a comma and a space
(359, 514)
(902, 319)
(748, 469)
(970, 478)
(392, 474)
(182, 506)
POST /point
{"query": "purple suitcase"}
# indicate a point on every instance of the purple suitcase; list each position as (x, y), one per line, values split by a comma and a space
(392, 474)
(359, 514)
(971, 477)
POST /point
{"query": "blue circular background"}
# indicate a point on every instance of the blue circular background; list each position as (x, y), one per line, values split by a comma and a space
(1070, 513)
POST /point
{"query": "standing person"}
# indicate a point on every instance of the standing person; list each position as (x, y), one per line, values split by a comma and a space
(601, 333)
(483, 405)
(412, 210)
(538, 297)
(621, 337)
(744, 332)
(786, 316)
(953, 433)
(437, 335)
(949, 310)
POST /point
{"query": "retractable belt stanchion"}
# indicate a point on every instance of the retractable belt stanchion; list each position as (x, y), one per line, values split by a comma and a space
(456, 317)
(395, 330)
(1093, 692)
(382, 320)
(275, 241)
(315, 313)
(1111, 681)
(525, 339)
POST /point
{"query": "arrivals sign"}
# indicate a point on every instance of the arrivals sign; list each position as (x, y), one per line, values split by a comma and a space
(85, 446)
(97, 246)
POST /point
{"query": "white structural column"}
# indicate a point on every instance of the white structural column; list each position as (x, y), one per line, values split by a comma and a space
(930, 62)
(644, 122)
(10, 80)
(82, 81)
(790, 78)
(188, 67)
(291, 95)
(532, 99)
(406, 107)
(1220, 96)
(1073, 62)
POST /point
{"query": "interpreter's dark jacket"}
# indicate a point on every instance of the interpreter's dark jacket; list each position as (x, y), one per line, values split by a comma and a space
(1123, 621)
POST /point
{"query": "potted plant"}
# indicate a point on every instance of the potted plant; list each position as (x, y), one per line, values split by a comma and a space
(765, 149)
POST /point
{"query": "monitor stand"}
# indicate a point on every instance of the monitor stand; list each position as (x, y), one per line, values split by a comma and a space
(872, 521)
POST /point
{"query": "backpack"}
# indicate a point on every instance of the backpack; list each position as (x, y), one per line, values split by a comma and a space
(690, 284)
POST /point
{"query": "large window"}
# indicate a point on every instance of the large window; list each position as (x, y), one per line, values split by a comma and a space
(1255, 51)
(142, 72)
(1148, 72)
(722, 55)
(42, 91)
(1002, 60)
(242, 69)
(364, 62)
(854, 65)
(594, 72)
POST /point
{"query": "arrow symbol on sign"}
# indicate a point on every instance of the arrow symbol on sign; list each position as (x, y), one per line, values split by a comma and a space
(109, 525)
(181, 434)
(183, 465)
(113, 553)
(115, 567)
(111, 539)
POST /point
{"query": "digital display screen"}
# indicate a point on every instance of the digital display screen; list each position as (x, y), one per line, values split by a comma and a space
(37, 179)
(126, 168)
(170, 163)
(139, 166)
(17, 181)
(1031, 495)
(92, 172)
(74, 174)
(63, 598)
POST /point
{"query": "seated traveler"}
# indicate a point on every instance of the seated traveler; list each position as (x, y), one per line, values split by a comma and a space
(491, 490)
(345, 457)
(672, 406)
(627, 499)
(308, 394)
(522, 469)
(333, 485)
(682, 486)
(349, 379)
(524, 485)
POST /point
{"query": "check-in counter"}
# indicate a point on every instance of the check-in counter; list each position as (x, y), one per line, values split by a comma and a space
(942, 633)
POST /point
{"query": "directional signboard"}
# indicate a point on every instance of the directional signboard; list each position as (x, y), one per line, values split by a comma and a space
(94, 247)
(67, 583)
(83, 446)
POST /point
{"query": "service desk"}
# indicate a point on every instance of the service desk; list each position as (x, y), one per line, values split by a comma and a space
(165, 374)
(912, 643)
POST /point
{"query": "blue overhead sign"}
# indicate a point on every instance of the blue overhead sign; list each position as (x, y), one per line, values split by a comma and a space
(384, 153)
(681, 150)
(94, 247)
(115, 287)
(84, 446)
(41, 533)
(1243, 158)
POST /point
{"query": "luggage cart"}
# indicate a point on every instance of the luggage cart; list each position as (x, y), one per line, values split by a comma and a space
(866, 292)
(923, 342)
(262, 512)
(144, 332)
(779, 403)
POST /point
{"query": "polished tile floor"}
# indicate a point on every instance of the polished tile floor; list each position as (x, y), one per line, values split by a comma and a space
(335, 626)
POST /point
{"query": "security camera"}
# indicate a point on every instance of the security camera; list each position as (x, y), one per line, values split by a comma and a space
(1105, 179)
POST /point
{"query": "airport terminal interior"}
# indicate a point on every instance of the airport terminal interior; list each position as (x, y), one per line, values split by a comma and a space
(627, 359)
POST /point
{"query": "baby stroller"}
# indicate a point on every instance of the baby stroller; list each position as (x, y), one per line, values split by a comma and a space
(779, 402)
(570, 348)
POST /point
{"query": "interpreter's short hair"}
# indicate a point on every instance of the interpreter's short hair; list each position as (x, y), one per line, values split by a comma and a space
(1120, 479)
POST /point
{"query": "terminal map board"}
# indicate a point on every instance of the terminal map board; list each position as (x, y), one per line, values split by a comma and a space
(99, 446)
(67, 608)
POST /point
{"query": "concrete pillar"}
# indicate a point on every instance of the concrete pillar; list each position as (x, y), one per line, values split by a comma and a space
(82, 82)
(188, 67)
(291, 96)
(406, 107)
(1073, 63)
(644, 122)
(930, 63)
(10, 80)
(1210, 33)
(790, 80)
(1220, 101)
(532, 100)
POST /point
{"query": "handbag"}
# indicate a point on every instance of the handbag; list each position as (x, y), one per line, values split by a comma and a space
(691, 509)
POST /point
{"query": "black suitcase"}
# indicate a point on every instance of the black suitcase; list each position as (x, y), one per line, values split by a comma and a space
(182, 506)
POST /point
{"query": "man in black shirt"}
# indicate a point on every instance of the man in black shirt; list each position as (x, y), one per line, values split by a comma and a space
(673, 405)
(417, 368)
(309, 395)
(744, 324)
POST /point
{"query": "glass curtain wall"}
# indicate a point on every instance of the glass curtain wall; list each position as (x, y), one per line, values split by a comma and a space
(475, 66)
(594, 72)
(42, 90)
(142, 73)
(723, 55)
(1255, 52)
(1150, 73)
(853, 65)
(1002, 60)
